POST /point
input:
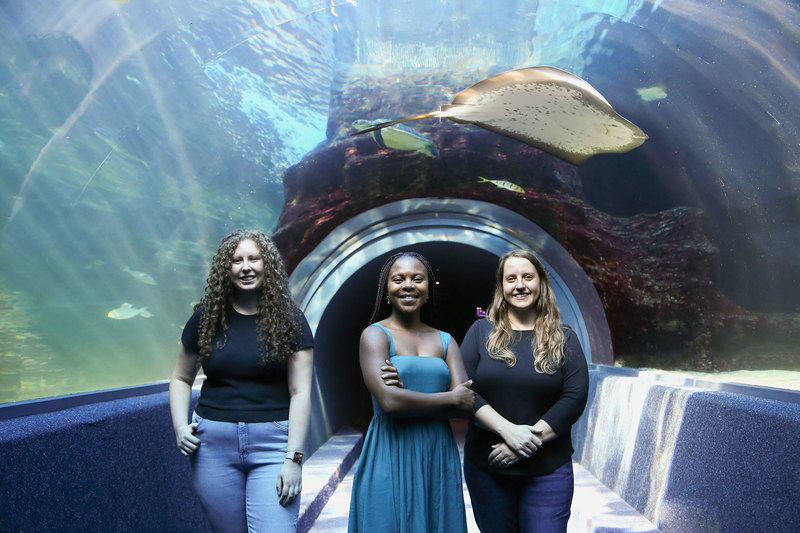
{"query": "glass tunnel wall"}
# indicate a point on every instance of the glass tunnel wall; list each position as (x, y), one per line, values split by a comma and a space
(134, 135)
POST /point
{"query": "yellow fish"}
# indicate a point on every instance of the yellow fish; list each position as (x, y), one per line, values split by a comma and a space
(126, 311)
(141, 276)
(502, 184)
(399, 137)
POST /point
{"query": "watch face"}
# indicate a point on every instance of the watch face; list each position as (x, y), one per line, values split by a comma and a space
(298, 457)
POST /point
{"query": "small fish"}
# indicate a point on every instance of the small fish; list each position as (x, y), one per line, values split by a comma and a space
(126, 311)
(399, 137)
(94, 265)
(502, 184)
(114, 148)
(115, 142)
(656, 92)
(141, 276)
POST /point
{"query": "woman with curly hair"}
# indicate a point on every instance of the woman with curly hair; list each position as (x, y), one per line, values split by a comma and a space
(531, 382)
(408, 478)
(246, 437)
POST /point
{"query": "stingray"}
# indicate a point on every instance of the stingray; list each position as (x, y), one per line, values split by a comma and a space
(542, 106)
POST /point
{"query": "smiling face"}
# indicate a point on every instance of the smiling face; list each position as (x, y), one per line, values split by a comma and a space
(247, 266)
(520, 283)
(407, 285)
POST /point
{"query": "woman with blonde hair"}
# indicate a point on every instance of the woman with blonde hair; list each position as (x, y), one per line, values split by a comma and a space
(246, 437)
(530, 378)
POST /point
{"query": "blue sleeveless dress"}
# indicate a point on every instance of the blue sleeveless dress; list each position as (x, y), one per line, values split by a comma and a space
(409, 474)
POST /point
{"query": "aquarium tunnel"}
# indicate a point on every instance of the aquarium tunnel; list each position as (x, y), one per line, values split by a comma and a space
(464, 240)
(135, 134)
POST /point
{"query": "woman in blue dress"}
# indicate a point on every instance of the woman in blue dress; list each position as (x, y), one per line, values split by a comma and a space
(409, 477)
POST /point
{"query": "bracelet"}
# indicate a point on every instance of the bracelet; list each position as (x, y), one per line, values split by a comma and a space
(296, 457)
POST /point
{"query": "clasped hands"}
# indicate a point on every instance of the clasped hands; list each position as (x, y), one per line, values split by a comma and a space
(519, 442)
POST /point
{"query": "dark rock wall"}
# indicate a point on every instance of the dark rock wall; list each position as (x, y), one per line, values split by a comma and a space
(653, 271)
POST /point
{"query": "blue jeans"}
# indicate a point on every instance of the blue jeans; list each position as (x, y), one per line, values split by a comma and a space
(235, 472)
(512, 504)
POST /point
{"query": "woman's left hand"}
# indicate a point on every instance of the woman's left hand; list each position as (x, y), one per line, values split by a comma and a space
(290, 482)
(502, 456)
(390, 375)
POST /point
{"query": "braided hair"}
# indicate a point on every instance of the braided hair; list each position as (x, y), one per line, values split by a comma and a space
(383, 309)
(278, 325)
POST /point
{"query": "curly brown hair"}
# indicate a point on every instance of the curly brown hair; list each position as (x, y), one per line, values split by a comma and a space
(277, 321)
(548, 340)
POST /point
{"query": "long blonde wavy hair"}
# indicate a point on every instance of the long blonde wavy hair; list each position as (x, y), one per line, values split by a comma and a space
(548, 339)
(278, 325)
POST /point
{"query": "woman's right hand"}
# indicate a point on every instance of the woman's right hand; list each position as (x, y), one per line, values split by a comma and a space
(187, 441)
(464, 396)
(390, 375)
(502, 456)
(521, 439)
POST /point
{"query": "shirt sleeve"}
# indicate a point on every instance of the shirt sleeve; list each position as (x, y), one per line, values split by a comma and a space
(189, 337)
(574, 389)
(306, 337)
(471, 354)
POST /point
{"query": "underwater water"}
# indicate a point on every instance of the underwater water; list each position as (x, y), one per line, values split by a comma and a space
(134, 134)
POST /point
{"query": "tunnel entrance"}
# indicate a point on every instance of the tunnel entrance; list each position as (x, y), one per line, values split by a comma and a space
(336, 286)
(465, 275)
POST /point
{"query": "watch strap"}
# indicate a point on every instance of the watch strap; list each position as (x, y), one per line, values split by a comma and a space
(296, 457)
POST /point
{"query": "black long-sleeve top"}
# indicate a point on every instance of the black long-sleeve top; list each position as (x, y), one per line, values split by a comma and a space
(524, 396)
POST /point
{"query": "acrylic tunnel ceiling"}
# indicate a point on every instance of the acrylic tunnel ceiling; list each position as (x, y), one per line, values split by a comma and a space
(135, 134)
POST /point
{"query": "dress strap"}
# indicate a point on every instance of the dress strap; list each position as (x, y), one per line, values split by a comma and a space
(391, 340)
(445, 337)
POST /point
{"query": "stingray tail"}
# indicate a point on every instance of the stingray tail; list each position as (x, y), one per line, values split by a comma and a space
(393, 122)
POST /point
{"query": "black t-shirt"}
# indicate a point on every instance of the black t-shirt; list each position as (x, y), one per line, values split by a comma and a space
(524, 396)
(239, 387)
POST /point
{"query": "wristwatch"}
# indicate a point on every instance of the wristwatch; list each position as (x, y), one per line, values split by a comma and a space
(296, 457)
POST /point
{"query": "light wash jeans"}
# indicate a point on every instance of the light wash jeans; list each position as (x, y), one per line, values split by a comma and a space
(235, 471)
